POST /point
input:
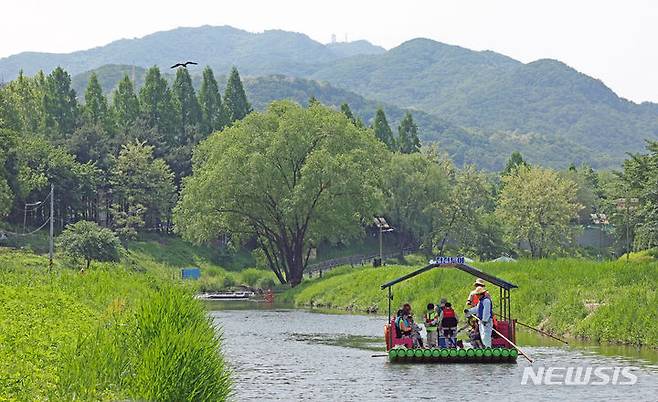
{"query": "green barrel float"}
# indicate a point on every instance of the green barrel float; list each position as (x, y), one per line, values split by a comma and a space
(409, 353)
(454, 355)
(488, 354)
(392, 355)
(505, 354)
(470, 353)
(479, 353)
(427, 353)
(513, 353)
(436, 353)
(495, 354)
(461, 353)
(418, 354)
(445, 353)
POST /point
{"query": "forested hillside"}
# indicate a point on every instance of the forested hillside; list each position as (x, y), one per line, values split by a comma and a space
(269, 52)
(488, 150)
(552, 113)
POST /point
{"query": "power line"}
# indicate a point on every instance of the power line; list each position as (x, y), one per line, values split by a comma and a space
(25, 234)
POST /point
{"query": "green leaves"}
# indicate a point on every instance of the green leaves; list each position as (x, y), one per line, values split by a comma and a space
(235, 98)
(144, 191)
(90, 242)
(536, 205)
(291, 176)
(408, 141)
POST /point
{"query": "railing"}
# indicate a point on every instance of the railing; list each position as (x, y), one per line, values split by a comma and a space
(354, 260)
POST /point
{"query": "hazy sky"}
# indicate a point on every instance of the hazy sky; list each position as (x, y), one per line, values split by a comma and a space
(613, 40)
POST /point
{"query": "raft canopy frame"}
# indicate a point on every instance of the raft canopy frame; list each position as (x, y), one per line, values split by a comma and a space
(459, 263)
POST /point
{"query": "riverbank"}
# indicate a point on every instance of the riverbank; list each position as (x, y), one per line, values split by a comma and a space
(116, 332)
(604, 302)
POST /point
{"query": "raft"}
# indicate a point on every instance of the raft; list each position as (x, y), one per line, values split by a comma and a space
(444, 355)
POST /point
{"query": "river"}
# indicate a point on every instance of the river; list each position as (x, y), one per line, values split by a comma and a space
(293, 355)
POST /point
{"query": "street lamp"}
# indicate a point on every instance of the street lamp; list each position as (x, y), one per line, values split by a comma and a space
(383, 226)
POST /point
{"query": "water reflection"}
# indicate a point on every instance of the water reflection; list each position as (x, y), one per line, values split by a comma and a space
(285, 354)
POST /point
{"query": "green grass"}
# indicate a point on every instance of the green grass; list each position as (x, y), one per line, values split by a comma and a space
(219, 271)
(112, 333)
(608, 302)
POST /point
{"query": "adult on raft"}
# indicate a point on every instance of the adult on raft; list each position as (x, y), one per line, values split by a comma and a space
(484, 312)
(473, 297)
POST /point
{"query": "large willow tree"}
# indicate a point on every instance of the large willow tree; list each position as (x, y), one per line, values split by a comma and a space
(290, 177)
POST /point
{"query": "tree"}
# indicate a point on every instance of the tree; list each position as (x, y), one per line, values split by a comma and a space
(416, 187)
(345, 109)
(639, 179)
(383, 130)
(469, 222)
(7, 148)
(290, 177)
(125, 104)
(186, 101)
(95, 107)
(514, 162)
(23, 103)
(537, 205)
(60, 104)
(235, 99)
(143, 190)
(408, 141)
(87, 240)
(157, 107)
(213, 115)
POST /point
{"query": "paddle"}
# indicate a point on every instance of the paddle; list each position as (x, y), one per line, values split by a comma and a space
(508, 341)
(542, 332)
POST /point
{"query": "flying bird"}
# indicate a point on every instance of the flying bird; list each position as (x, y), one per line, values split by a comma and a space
(183, 64)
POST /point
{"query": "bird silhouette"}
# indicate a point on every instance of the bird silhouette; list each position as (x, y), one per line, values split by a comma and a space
(183, 64)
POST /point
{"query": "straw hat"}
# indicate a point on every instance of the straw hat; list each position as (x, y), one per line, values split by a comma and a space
(479, 282)
(480, 290)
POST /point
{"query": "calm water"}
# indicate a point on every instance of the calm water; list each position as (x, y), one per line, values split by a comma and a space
(285, 354)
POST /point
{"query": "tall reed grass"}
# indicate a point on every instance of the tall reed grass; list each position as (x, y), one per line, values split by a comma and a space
(112, 333)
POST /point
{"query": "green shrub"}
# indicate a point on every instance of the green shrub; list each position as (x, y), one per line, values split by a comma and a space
(90, 242)
(266, 283)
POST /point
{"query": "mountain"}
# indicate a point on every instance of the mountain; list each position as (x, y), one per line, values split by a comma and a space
(488, 151)
(494, 93)
(269, 52)
(347, 49)
(552, 113)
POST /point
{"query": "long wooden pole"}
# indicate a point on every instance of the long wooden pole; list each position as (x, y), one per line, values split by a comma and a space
(505, 338)
(542, 332)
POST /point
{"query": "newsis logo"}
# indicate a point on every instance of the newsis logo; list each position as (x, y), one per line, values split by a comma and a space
(578, 376)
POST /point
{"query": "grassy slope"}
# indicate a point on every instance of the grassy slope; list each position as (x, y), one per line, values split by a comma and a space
(558, 295)
(103, 335)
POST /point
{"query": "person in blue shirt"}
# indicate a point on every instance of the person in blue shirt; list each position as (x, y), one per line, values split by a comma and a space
(483, 311)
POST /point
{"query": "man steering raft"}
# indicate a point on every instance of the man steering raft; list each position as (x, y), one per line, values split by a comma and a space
(484, 312)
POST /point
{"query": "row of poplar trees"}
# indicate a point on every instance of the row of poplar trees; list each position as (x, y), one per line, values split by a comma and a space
(118, 160)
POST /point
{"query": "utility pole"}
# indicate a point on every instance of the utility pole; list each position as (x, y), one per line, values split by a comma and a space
(52, 219)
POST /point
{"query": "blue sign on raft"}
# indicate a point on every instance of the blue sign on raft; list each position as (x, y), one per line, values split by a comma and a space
(190, 273)
(447, 260)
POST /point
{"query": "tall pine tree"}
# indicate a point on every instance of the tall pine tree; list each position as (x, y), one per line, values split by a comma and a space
(213, 115)
(95, 108)
(383, 130)
(345, 109)
(408, 141)
(185, 99)
(60, 104)
(235, 99)
(125, 104)
(157, 108)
